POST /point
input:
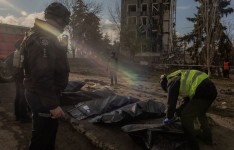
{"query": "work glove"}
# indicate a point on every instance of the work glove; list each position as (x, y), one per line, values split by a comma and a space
(168, 121)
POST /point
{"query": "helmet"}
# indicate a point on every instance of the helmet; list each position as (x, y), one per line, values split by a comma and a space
(163, 82)
(58, 10)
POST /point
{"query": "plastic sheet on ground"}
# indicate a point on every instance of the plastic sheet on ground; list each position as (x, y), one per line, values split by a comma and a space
(86, 109)
(72, 98)
(158, 136)
(138, 110)
(74, 86)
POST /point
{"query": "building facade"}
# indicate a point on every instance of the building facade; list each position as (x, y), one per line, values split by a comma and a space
(147, 28)
(9, 34)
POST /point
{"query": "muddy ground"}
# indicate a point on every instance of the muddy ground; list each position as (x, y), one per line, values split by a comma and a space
(15, 136)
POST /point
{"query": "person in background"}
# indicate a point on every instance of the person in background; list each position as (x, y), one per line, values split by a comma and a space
(198, 92)
(46, 72)
(21, 107)
(226, 67)
(113, 67)
(64, 41)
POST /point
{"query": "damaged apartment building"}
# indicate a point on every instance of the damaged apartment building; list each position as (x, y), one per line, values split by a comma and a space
(147, 29)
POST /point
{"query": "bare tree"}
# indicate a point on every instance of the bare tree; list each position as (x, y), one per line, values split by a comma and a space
(94, 7)
(208, 36)
(85, 23)
(115, 15)
(213, 30)
(230, 30)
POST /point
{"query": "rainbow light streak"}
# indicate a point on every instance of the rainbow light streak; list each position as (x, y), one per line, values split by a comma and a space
(129, 77)
(123, 73)
(47, 27)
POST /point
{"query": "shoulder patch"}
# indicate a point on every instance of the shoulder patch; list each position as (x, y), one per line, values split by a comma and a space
(44, 42)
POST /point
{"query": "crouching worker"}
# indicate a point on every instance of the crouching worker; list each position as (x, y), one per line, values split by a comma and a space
(46, 71)
(198, 92)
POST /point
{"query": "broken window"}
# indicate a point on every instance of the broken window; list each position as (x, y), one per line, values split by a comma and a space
(166, 5)
(155, 23)
(144, 20)
(159, 1)
(155, 9)
(144, 7)
(155, 44)
(131, 8)
(154, 35)
(143, 35)
(154, 47)
(145, 48)
(142, 31)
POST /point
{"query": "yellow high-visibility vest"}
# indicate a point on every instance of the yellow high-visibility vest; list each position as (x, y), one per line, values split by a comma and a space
(189, 81)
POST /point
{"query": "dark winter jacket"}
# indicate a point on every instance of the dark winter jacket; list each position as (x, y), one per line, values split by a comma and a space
(45, 64)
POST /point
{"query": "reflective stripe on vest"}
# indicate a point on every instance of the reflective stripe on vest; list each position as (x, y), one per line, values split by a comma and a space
(173, 74)
(189, 81)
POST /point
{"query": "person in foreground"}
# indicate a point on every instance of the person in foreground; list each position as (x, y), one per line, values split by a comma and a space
(46, 72)
(198, 93)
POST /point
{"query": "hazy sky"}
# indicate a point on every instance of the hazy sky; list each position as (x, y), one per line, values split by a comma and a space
(23, 12)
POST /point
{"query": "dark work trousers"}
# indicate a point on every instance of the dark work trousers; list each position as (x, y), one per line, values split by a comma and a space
(226, 73)
(113, 77)
(182, 106)
(21, 106)
(44, 129)
(43, 133)
(196, 108)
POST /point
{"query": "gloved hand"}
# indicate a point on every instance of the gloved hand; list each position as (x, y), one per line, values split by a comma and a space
(168, 121)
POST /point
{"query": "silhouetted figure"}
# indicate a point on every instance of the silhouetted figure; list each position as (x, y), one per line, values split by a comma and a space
(21, 106)
(226, 67)
(113, 67)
